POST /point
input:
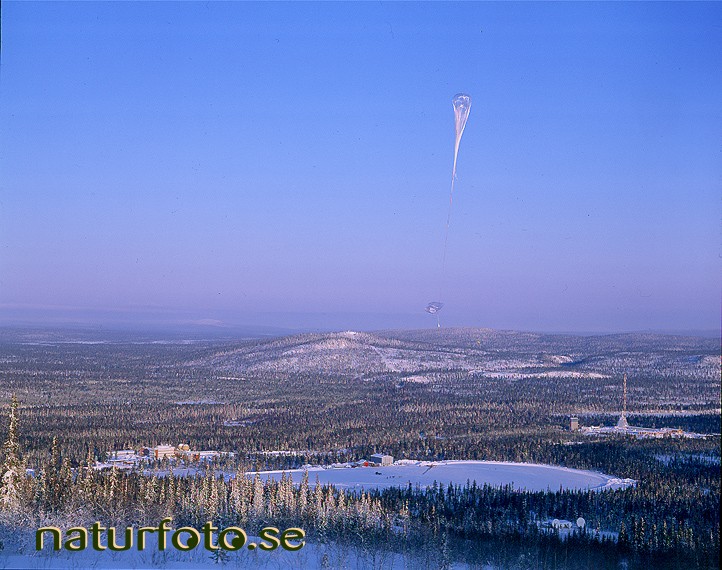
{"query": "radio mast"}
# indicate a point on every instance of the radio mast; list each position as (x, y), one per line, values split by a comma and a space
(622, 423)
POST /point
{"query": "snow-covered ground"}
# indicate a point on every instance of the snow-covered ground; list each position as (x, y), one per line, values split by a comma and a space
(310, 557)
(20, 553)
(527, 476)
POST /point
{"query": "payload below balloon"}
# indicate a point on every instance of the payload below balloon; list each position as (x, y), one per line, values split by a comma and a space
(434, 307)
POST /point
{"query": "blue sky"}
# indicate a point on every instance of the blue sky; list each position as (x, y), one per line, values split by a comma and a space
(289, 164)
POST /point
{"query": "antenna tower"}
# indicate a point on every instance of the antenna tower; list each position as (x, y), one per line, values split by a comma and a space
(622, 423)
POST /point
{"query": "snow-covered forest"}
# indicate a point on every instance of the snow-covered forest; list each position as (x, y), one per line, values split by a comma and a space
(76, 400)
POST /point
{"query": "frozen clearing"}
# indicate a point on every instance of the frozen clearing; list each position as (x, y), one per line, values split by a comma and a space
(522, 476)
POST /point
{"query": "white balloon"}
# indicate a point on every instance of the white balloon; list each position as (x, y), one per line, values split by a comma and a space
(462, 108)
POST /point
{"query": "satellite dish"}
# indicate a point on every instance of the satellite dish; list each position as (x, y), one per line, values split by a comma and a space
(581, 522)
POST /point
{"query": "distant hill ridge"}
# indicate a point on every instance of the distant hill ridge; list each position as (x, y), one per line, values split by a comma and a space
(482, 352)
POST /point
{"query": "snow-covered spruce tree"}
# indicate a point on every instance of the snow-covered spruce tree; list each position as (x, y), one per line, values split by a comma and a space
(238, 499)
(12, 469)
(303, 494)
(56, 477)
(257, 504)
(87, 485)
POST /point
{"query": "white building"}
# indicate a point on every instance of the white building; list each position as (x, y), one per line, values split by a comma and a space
(381, 459)
(161, 451)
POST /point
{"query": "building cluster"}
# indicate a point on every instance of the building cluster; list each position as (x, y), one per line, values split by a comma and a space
(128, 459)
(623, 427)
(377, 460)
(638, 432)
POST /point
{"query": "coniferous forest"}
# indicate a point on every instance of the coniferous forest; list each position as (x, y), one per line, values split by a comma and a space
(69, 405)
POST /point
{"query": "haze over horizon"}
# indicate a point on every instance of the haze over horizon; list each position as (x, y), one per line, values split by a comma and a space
(162, 322)
(287, 165)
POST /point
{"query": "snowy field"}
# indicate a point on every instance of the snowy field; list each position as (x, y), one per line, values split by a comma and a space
(310, 557)
(526, 476)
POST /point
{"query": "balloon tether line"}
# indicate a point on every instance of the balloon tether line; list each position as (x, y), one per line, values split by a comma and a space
(446, 233)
